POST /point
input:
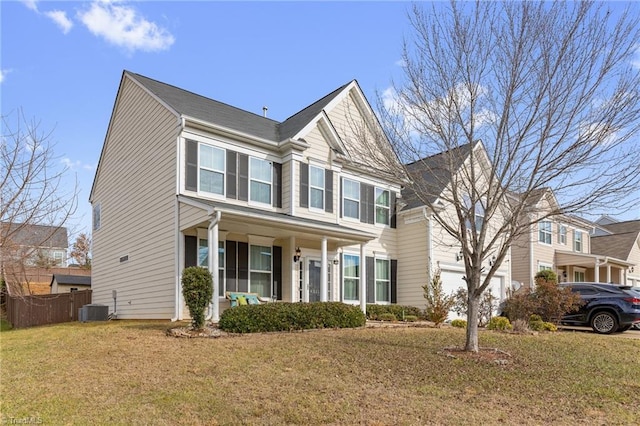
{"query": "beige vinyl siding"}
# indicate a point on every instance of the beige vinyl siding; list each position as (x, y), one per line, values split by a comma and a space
(191, 216)
(412, 261)
(318, 147)
(136, 191)
(521, 260)
(286, 186)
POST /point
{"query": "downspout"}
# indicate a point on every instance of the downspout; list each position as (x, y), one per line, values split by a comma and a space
(212, 238)
(176, 214)
(429, 242)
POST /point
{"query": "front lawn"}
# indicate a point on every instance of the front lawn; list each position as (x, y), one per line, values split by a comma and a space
(126, 372)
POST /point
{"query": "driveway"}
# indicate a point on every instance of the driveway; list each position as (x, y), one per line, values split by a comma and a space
(629, 334)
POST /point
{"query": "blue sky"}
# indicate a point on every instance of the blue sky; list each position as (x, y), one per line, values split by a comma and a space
(61, 62)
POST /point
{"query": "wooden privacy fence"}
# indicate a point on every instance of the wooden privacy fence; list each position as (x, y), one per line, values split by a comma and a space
(29, 311)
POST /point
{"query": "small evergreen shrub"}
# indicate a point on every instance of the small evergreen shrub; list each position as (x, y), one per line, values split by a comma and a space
(197, 289)
(438, 303)
(499, 323)
(290, 316)
(400, 311)
(536, 324)
(410, 318)
(388, 316)
(459, 323)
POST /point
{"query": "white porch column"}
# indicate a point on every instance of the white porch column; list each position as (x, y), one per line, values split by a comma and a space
(295, 292)
(324, 271)
(213, 260)
(608, 272)
(596, 276)
(363, 280)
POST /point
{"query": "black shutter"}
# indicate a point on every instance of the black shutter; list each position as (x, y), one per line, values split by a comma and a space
(340, 200)
(367, 205)
(304, 185)
(328, 191)
(191, 166)
(277, 184)
(392, 207)
(277, 271)
(371, 279)
(371, 212)
(231, 253)
(394, 281)
(232, 174)
(190, 251)
(243, 177)
(243, 267)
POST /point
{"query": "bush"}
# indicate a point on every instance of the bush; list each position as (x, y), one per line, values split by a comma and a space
(488, 303)
(520, 326)
(401, 312)
(537, 324)
(290, 316)
(459, 323)
(410, 318)
(438, 303)
(197, 289)
(388, 316)
(499, 323)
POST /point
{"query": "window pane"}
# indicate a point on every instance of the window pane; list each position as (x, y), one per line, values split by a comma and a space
(260, 192)
(316, 198)
(382, 269)
(260, 258)
(261, 283)
(260, 169)
(382, 197)
(351, 189)
(203, 253)
(316, 177)
(382, 215)
(211, 158)
(351, 209)
(211, 182)
(350, 289)
(221, 254)
(382, 291)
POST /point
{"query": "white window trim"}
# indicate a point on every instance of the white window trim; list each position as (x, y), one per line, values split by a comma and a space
(376, 205)
(351, 301)
(223, 172)
(323, 189)
(575, 241)
(344, 197)
(270, 182)
(549, 232)
(545, 265)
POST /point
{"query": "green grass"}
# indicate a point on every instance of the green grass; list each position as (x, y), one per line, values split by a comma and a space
(5, 325)
(126, 372)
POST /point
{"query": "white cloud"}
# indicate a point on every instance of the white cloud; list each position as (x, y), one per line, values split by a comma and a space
(3, 74)
(76, 165)
(122, 26)
(31, 4)
(60, 18)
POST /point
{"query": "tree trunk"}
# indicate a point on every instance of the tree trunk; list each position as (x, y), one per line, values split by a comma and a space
(473, 306)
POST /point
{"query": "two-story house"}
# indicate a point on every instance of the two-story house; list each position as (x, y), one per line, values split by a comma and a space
(561, 243)
(619, 240)
(289, 209)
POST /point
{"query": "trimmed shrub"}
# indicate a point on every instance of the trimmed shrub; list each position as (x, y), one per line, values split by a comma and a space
(388, 316)
(536, 324)
(499, 323)
(290, 316)
(401, 312)
(459, 323)
(438, 303)
(410, 318)
(197, 289)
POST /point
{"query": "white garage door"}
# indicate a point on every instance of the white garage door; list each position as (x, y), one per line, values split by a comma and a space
(452, 280)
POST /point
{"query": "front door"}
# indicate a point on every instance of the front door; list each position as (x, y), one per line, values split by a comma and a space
(314, 268)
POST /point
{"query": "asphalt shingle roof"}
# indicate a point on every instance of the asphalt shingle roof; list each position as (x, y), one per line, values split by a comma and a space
(36, 235)
(71, 279)
(620, 242)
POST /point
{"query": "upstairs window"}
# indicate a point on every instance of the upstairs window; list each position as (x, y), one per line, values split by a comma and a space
(382, 206)
(562, 234)
(577, 241)
(351, 198)
(478, 214)
(544, 232)
(260, 181)
(97, 219)
(211, 169)
(316, 187)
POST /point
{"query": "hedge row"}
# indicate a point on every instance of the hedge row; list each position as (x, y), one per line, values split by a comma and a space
(377, 312)
(290, 316)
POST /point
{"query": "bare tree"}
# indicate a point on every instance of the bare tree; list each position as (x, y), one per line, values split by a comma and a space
(551, 91)
(81, 251)
(32, 193)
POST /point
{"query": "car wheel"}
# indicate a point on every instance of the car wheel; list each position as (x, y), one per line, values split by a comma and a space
(604, 322)
(623, 328)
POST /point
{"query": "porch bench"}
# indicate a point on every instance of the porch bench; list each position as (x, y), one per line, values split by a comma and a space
(242, 298)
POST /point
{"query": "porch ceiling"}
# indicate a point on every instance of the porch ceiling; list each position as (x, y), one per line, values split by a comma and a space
(587, 260)
(247, 220)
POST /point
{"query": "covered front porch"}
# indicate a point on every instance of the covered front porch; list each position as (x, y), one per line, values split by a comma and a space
(275, 255)
(582, 267)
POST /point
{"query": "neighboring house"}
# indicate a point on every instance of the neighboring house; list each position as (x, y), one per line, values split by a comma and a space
(563, 244)
(68, 283)
(426, 247)
(28, 253)
(185, 180)
(619, 240)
